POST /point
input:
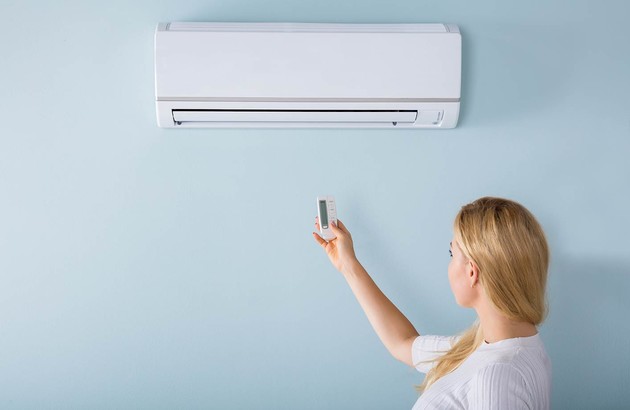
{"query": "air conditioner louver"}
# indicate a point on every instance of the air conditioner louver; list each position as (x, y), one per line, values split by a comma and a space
(180, 116)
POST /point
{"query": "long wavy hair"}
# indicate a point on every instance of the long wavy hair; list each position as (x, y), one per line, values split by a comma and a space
(509, 247)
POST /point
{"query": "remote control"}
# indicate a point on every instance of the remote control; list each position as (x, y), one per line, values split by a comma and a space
(327, 212)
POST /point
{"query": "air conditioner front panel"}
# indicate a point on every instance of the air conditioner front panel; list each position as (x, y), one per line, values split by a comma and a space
(281, 65)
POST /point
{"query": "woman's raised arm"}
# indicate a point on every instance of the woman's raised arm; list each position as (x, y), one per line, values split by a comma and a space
(391, 326)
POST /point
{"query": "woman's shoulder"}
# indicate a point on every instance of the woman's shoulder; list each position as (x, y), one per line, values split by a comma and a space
(515, 349)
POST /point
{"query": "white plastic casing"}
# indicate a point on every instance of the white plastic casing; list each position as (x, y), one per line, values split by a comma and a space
(327, 213)
(307, 75)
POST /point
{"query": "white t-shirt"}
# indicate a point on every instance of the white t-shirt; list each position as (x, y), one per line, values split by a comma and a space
(509, 374)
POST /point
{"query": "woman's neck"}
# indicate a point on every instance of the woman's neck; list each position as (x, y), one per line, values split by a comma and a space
(495, 326)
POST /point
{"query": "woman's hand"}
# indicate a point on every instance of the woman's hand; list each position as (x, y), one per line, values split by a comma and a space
(340, 250)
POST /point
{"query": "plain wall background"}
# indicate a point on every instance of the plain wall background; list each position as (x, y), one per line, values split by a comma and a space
(151, 268)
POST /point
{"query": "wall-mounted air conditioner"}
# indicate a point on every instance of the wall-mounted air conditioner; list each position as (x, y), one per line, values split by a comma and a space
(307, 75)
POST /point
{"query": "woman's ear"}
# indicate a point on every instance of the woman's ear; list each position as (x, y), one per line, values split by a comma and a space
(473, 273)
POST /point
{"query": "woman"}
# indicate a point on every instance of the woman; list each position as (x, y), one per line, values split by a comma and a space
(499, 260)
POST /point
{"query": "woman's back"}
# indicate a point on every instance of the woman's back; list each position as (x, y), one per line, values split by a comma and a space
(510, 374)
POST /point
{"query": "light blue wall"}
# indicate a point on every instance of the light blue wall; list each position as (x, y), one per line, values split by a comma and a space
(148, 268)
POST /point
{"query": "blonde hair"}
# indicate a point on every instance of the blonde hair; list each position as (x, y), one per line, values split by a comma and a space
(509, 247)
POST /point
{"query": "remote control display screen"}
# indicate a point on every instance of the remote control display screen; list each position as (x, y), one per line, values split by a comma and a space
(323, 212)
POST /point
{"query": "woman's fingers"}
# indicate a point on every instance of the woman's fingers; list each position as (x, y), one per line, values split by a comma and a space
(337, 228)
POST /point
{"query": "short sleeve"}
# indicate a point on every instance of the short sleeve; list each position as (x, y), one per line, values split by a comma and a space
(498, 386)
(426, 349)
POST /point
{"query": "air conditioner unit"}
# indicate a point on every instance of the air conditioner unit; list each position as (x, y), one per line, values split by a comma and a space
(307, 75)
